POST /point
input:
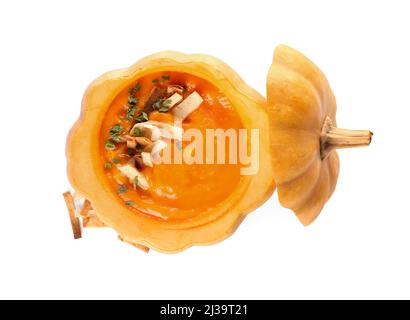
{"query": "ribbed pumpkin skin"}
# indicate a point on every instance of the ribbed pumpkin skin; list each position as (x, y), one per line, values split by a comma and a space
(300, 100)
(86, 174)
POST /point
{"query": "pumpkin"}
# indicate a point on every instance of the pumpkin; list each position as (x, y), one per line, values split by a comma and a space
(87, 175)
(298, 138)
(304, 134)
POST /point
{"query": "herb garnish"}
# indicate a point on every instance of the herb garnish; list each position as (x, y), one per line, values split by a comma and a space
(115, 132)
(155, 81)
(132, 101)
(157, 104)
(107, 165)
(165, 77)
(116, 129)
(115, 160)
(131, 113)
(165, 104)
(129, 203)
(135, 182)
(162, 105)
(135, 89)
(137, 132)
(122, 189)
(163, 109)
(110, 145)
(142, 117)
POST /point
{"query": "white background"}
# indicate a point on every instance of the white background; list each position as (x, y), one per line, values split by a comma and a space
(359, 246)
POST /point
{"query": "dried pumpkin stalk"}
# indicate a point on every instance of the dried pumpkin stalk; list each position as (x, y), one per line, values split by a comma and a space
(332, 138)
(75, 222)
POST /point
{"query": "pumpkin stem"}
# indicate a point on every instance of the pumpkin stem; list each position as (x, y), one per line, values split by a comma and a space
(335, 138)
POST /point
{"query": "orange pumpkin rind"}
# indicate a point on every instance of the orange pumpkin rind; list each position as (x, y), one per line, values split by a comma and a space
(86, 174)
(304, 135)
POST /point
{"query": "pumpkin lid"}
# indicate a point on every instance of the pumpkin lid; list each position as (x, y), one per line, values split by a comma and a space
(304, 134)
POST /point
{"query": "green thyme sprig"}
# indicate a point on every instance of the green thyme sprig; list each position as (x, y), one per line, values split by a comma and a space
(110, 145)
(136, 132)
(129, 203)
(143, 117)
(133, 101)
(135, 182)
(115, 133)
(122, 189)
(162, 105)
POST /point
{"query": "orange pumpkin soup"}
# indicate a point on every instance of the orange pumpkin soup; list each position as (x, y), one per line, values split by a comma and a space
(142, 124)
